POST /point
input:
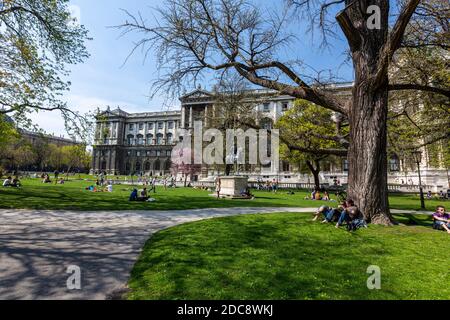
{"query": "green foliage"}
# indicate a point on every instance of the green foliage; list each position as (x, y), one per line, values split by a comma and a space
(38, 40)
(308, 126)
(416, 118)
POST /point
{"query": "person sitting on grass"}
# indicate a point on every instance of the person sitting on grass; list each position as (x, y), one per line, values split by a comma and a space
(344, 215)
(47, 179)
(7, 182)
(16, 183)
(134, 195)
(353, 217)
(323, 210)
(357, 220)
(143, 196)
(330, 214)
(326, 196)
(441, 219)
(247, 194)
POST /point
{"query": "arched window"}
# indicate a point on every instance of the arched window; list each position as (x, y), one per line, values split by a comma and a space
(103, 165)
(159, 139)
(157, 165)
(147, 166)
(140, 139)
(149, 139)
(169, 138)
(128, 167)
(138, 166)
(130, 139)
(167, 165)
(267, 123)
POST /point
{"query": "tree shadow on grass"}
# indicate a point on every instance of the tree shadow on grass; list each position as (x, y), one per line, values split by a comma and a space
(253, 258)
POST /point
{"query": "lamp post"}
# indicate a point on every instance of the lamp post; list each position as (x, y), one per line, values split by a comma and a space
(418, 159)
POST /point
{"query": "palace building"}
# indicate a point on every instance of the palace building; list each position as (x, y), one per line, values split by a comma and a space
(142, 143)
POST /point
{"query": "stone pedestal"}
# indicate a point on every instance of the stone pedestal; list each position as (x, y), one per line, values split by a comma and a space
(233, 187)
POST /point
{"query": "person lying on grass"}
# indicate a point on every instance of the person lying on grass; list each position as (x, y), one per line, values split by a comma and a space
(441, 219)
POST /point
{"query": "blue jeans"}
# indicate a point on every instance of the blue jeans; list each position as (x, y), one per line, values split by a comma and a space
(439, 225)
(329, 215)
(344, 218)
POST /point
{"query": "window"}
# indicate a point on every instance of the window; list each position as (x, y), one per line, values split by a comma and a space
(140, 140)
(129, 153)
(158, 153)
(138, 153)
(159, 139)
(345, 165)
(151, 126)
(169, 138)
(267, 124)
(157, 165)
(160, 125)
(130, 139)
(170, 125)
(285, 106)
(147, 166)
(169, 153)
(141, 126)
(149, 139)
(266, 107)
(131, 126)
(394, 164)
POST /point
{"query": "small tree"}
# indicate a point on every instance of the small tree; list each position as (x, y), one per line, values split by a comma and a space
(313, 128)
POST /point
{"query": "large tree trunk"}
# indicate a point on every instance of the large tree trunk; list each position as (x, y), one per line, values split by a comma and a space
(315, 172)
(367, 156)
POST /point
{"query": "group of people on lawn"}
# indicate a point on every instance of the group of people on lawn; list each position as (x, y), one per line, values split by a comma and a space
(346, 213)
(349, 214)
(11, 183)
(318, 196)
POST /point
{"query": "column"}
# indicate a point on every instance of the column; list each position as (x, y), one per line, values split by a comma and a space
(183, 117)
(206, 117)
(191, 118)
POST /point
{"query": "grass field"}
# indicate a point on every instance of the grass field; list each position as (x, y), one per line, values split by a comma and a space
(286, 256)
(73, 196)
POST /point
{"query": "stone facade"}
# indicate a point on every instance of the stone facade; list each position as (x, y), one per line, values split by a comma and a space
(137, 143)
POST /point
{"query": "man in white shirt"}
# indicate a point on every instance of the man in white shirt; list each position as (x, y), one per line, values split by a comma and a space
(7, 182)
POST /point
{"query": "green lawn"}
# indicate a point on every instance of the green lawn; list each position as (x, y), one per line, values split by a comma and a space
(287, 256)
(73, 196)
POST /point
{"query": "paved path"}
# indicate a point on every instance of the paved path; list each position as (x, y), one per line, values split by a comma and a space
(37, 247)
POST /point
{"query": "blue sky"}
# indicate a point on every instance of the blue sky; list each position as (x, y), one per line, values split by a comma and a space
(104, 79)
